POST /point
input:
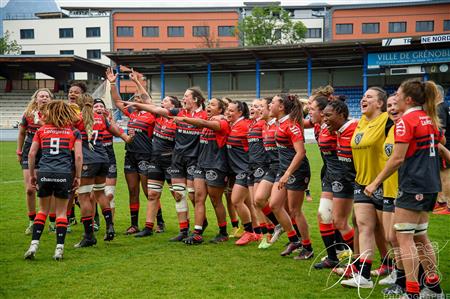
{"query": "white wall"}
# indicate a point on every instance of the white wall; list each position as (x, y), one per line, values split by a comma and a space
(313, 23)
(47, 41)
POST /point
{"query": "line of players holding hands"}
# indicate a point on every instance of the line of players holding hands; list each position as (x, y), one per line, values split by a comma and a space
(257, 158)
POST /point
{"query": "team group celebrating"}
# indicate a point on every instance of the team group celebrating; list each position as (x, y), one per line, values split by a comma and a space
(380, 176)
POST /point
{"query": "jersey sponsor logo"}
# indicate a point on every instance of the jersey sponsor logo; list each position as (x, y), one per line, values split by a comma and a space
(143, 165)
(259, 172)
(54, 180)
(190, 170)
(388, 149)
(241, 176)
(358, 137)
(419, 197)
(425, 120)
(211, 175)
(198, 171)
(337, 186)
(173, 170)
(295, 130)
(112, 168)
(343, 159)
(357, 191)
(400, 128)
(291, 179)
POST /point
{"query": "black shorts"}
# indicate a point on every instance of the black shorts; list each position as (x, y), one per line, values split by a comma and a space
(25, 151)
(54, 184)
(112, 170)
(417, 202)
(298, 181)
(342, 188)
(213, 177)
(239, 178)
(183, 167)
(376, 199)
(94, 170)
(159, 168)
(388, 205)
(326, 184)
(271, 174)
(256, 174)
(137, 162)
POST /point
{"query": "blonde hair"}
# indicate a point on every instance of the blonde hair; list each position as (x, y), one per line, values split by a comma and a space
(86, 104)
(59, 114)
(326, 91)
(33, 105)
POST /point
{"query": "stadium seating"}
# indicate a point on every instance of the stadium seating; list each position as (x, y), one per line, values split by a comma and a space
(12, 106)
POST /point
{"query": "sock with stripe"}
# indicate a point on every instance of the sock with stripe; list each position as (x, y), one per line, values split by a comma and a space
(61, 230)
(107, 214)
(38, 226)
(159, 216)
(223, 229)
(348, 238)
(292, 236)
(263, 228)
(401, 277)
(412, 289)
(306, 243)
(339, 240)
(149, 225)
(31, 215)
(366, 266)
(52, 217)
(234, 223)
(184, 227)
(88, 226)
(134, 213)
(294, 224)
(198, 229)
(248, 227)
(328, 237)
(269, 214)
(432, 282)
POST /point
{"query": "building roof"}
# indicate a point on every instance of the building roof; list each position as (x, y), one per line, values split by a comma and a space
(56, 66)
(287, 57)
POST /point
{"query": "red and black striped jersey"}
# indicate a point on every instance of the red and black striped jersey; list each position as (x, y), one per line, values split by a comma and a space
(187, 136)
(56, 145)
(163, 136)
(213, 153)
(108, 137)
(93, 149)
(419, 172)
(327, 142)
(317, 129)
(270, 144)
(256, 152)
(140, 126)
(28, 124)
(288, 132)
(344, 148)
(237, 146)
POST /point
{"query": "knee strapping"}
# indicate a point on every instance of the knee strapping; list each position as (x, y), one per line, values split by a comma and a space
(180, 205)
(155, 187)
(111, 190)
(190, 190)
(326, 210)
(405, 228)
(99, 187)
(421, 229)
(85, 189)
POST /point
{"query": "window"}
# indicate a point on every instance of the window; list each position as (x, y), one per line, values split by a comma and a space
(370, 28)
(200, 31)
(395, 27)
(26, 33)
(124, 50)
(150, 31)
(173, 31)
(93, 32)
(344, 28)
(125, 31)
(65, 32)
(446, 25)
(424, 26)
(27, 53)
(94, 54)
(66, 52)
(314, 33)
(226, 30)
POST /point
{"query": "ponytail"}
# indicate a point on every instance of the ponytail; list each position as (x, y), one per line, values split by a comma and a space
(423, 94)
(86, 104)
(293, 107)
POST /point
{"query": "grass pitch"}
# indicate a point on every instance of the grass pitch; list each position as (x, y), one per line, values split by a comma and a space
(154, 268)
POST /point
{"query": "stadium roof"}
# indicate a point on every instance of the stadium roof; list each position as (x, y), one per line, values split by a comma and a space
(323, 55)
(57, 66)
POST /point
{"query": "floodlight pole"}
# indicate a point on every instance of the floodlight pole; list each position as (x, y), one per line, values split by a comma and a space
(365, 85)
(118, 78)
(209, 82)
(163, 82)
(309, 71)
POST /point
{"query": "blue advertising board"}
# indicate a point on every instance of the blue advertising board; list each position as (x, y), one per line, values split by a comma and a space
(375, 60)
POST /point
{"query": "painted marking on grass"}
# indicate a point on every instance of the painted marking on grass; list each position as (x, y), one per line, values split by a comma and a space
(11, 182)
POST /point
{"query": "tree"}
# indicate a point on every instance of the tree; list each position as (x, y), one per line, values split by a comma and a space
(270, 26)
(9, 46)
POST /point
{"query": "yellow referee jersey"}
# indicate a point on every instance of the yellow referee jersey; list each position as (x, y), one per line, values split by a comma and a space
(390, 186)
(367, 148)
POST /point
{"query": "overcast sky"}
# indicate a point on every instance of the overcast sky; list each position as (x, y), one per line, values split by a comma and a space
(200, 3)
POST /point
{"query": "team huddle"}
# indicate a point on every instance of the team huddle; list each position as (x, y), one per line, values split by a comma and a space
(380, 175)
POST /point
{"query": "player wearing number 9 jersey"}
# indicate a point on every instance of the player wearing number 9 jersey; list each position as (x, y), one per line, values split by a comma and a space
(56, 139)
(415, 155)
(95, 169)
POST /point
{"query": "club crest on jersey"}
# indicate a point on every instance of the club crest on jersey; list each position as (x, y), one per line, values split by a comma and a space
(241, 176)
(358, 137)
(143, 165)
(259, 172)
(85, 167)
(400, 128)
(112, 168)
(291, 179)
(211, 175)
(419, 197)
(190, 170)
(337, 186)
(388, 149)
